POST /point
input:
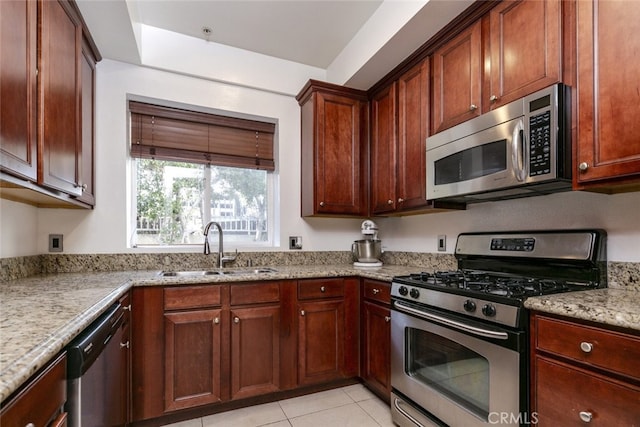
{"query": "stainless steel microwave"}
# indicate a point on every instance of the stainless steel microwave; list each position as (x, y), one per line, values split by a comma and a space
(520, 149)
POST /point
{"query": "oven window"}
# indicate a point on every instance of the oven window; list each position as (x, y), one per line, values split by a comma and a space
(472, 163)
(452, 369)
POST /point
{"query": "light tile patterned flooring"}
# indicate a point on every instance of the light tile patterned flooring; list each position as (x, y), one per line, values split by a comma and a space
(351, 406)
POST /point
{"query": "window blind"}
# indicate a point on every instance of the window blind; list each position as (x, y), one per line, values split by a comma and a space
(167, 133)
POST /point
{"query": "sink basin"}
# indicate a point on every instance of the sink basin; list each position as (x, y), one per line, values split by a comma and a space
(191, 273)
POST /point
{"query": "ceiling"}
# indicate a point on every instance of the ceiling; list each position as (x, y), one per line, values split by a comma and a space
(309, 32)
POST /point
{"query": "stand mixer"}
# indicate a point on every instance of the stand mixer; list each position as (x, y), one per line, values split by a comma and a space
(367, 252)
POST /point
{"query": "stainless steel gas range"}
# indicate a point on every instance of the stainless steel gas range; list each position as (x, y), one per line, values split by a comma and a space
(459, 339)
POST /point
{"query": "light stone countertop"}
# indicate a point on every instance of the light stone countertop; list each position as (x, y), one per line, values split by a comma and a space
(40, 315)
(614, 307)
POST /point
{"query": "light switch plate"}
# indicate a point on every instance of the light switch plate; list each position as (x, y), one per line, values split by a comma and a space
(295, 242)
(55, 242)
(442, 243)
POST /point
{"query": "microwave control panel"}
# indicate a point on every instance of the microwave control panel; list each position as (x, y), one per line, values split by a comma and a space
(540, 144)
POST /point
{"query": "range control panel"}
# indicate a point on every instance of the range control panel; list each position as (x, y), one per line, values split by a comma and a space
(513, 245)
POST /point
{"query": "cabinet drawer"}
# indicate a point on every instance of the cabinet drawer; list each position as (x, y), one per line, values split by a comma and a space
(563, 393)
(321, 288)
(377, 291)
(40, 402)
(191, 297)
(255, 293)
(613, 351)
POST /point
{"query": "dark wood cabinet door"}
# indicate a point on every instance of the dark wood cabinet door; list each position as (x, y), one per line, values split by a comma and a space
(334, 128)
(59, 136)
(457, 79)
(384, 150)
(525, 49)
(192, 358)
(376, 350)
(86, 164)
(413, 125)
(320, 341)
(608, 147)
(255, 351)
(18, 63)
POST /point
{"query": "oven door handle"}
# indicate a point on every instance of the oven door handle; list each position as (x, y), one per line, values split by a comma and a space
(518, 152)
(449, 322)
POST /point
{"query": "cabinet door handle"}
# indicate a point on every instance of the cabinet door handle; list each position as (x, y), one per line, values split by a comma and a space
(322, 289)
(301, 312)
(124, 344)
(126, 307)
(236, 319)
(375, 291)
(586, 416)
(473, 107)
(389, 202)
(30, 425)
(583, 166)
(387, 319)
(586, 347)
(216, 320)
(400, 200)
(321, 204)
(493, 98)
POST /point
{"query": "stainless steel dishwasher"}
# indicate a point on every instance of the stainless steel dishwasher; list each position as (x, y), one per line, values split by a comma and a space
(96, 373)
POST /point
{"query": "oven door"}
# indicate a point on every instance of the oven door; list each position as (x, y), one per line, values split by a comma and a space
(488, 160)
(459, 371)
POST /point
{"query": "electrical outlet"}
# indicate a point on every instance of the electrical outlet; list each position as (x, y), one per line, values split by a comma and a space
(55, 242)
(442, 243)
(295, 242)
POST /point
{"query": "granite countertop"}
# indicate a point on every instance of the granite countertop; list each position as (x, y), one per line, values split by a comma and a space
(40, 315)
(614, 307)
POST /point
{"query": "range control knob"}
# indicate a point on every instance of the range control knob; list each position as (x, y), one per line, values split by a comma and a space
(469, 306)
(403, 291)
(414, 293)
(489, 310)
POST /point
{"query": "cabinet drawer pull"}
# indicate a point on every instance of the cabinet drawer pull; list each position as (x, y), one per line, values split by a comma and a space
(216, 320)
(586, 347)
(493, 98)
(387, 319)
(473, 107)
(400, 200)
(322, 289)
(301, 312)
(375, 291)
(236, 319)
(586, 416)
(126, 307)
(321, 204)
(30, 425)
(124, 344)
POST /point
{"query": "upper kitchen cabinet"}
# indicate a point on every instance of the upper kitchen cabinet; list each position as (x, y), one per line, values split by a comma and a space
(18, 58)
(608, 118)
(525, 49)
(334, 122)
(399, 129)
(511, 52)
(47, 129)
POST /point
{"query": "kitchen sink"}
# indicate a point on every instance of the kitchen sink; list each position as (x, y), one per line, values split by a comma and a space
(192, 273)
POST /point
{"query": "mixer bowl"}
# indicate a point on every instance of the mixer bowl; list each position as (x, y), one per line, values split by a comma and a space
(367, 250)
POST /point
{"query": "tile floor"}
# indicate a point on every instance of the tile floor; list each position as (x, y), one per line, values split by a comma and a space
(351, 406)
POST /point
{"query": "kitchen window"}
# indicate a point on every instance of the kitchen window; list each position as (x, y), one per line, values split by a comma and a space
(190, 168)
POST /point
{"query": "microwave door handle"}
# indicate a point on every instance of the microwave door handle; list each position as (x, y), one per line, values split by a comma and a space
(517, 151)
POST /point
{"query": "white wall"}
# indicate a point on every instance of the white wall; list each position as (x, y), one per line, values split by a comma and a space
(24, 230)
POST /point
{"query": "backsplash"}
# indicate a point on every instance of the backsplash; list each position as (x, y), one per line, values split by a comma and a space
(621, 275)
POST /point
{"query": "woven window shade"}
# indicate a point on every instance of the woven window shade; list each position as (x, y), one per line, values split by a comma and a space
(166, 133)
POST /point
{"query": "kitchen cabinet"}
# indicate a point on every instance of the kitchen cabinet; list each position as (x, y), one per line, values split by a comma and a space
(18, 64)
(40, 403)
(376, 337)
(327, 330)
(47, 101)
(334, 129)
(123, 409)
(493, 61)
(607, 149)
(569, 358)
(197, 345)
(399, 128)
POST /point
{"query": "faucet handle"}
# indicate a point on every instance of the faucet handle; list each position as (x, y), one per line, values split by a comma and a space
(230, 258)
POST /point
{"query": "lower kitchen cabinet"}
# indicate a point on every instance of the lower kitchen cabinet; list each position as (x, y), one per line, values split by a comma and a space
(327, 330)
(40, 402)
(583, 374)
(376, 337)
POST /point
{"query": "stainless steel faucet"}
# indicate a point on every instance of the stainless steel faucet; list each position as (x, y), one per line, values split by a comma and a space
(221, 258)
